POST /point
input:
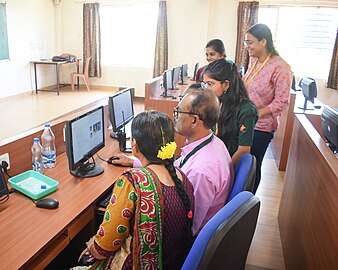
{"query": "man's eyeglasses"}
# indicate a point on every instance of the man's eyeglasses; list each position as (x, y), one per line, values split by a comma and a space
(177, 111)
(208, 84)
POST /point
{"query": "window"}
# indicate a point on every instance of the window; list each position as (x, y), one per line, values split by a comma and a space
(303, 36)
(128, 34)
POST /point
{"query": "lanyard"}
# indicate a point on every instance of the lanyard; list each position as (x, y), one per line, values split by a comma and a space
(198, 147)
(247, 81)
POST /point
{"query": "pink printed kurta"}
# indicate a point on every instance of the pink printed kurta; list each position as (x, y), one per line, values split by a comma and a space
(270, 88)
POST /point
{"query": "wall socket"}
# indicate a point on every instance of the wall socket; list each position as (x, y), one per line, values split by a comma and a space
(5, 157)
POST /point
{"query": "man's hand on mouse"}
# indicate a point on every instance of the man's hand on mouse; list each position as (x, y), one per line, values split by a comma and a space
(123, 160)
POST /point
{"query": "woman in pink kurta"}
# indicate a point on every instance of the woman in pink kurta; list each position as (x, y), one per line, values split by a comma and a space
(268, 80)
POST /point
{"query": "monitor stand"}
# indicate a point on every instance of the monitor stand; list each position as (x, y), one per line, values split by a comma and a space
(128, 131)
(88, 170)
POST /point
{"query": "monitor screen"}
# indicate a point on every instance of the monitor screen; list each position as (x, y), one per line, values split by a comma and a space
(176, 74)
(3, 186)
(84, 137)
(309, 90)
(121, 109)
(167, 83)
(184, 73)
(330, 127)
(195, 71)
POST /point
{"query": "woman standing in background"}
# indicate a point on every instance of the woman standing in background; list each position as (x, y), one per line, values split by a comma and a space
(268, 81)
(214, 50)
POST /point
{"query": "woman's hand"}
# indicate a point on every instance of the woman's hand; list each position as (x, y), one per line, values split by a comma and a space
(122, 159)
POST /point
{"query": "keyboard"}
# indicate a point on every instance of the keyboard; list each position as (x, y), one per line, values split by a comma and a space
(105, 200)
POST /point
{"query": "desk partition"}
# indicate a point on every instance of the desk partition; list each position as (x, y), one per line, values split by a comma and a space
(308, 210)
(31, 237)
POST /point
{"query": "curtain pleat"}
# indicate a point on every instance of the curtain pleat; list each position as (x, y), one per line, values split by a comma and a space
(247, 15)
(92, 38)
(161, 47)
(333, 75)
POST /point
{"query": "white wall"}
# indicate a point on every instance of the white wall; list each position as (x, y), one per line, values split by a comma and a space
(39, 29)
(31, 35)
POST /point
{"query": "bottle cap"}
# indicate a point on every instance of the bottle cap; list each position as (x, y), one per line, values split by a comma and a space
(43, 186)
(47, 125)
(36, 140)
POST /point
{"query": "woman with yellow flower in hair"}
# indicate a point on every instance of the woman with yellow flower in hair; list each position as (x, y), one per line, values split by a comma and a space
(147, 224)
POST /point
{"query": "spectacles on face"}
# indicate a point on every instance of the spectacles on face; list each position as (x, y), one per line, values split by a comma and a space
(209, 84)
(177, 111)
(248, 42)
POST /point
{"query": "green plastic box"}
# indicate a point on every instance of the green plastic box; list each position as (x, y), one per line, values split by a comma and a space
(33, 184)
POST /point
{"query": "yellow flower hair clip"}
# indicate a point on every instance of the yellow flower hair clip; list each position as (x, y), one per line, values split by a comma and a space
(167, 151)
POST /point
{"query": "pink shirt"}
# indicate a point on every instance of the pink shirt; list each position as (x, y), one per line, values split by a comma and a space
(270, 88)
(211, 173)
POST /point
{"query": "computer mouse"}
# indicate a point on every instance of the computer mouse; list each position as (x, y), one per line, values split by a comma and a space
(110, 160)
(48, 203)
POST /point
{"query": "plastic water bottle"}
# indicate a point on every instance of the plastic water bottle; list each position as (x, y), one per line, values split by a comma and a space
(48, 147)
(37, 164)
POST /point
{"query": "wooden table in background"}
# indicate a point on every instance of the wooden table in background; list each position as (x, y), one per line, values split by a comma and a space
(56, 64)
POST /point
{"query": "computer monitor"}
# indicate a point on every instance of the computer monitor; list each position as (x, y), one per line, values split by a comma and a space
(309, 90)
(3, 186)
(167, 83)
(121, 111)
(175, 78)
(195, 71)
(184, 73)
(330, 127)
(84, 137)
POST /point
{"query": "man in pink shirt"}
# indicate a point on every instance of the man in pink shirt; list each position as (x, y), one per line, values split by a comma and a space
(205, 160)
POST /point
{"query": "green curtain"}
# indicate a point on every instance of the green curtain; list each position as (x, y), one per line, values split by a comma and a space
(4, 53)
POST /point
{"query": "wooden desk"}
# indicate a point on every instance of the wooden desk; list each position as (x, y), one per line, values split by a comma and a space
(154, 101)
(280, 144)
(56, 64)
(31, 237)
(308, 210)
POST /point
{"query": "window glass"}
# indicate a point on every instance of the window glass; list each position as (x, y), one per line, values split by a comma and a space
(303, 36)
(128, 34)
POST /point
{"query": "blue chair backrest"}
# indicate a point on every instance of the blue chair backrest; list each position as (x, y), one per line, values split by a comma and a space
(213, 249)
(245, 175)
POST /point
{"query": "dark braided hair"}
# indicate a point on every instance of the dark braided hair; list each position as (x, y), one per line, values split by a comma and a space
(151, 130)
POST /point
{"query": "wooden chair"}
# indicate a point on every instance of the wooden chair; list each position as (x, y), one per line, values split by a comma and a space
(84, 75)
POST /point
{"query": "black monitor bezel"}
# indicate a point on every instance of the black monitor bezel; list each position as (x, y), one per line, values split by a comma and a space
(309, 91)
(4, 191)
(112, 118)
(73, 166)
(329, 118)
(195, 71)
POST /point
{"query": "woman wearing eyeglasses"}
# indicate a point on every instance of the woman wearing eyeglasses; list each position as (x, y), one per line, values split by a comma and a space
(238, 114)
(214, 50)
(268, 80)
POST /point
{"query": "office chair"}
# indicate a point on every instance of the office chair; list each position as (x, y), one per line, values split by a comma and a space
(84, 75)
(245, 175)
(224, 242)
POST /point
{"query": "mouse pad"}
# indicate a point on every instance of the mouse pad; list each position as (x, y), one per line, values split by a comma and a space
(33, 184)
